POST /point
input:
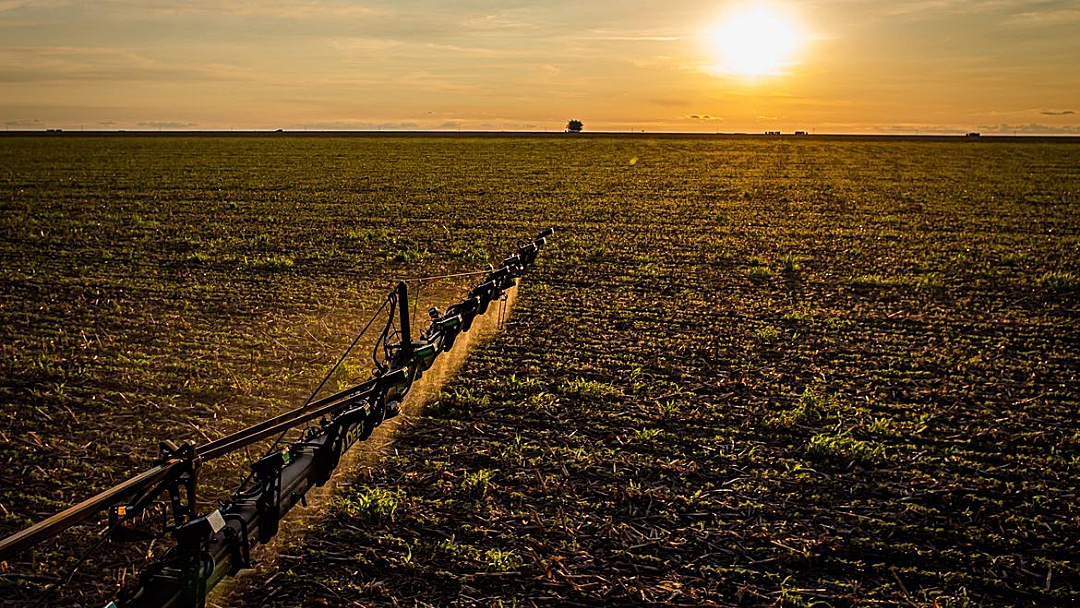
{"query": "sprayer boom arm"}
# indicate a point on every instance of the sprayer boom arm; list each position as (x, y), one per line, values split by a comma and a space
(211, 546)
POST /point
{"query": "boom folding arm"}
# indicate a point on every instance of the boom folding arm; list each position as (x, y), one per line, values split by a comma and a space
(208, 547)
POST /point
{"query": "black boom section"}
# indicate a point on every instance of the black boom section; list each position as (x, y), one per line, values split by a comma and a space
(210, 547)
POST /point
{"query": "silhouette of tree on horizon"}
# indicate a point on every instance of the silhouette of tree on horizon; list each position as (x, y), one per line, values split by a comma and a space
(574, 126)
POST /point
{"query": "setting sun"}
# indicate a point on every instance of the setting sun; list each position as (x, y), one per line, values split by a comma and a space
(755, 42)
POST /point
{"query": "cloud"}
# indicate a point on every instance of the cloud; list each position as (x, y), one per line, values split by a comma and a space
(155, 124)
(703, 117)
(53, 63)
(1029, 129)
(1060, 113)
(360, 125)
(1047, 17)
(10, 5)
(968, 7)
(631, 36)
(493, 22)
(80, 64)
(24, 122)
(363, 44)
(285, 9)
(139, 9)
(1016, 13)
(910, 129)
(468, 51)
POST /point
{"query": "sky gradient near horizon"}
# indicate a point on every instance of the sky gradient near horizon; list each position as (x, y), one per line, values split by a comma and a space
(862, 66)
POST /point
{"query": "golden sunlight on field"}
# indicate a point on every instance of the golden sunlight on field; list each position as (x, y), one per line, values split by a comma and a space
(758, 41)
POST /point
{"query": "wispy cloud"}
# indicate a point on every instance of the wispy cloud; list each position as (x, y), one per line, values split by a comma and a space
(1047, 17)
(167, 124)
(29, 64)
(74, 64)
(11, 5)
(1057, 113)
(24, 122)
(361, 125)
(288, 9)
(906, 129)
(631, 36)
(127, 55)
(498, 21)
(364, 44)
(969, 7)
(1030, 129)
(471, 51)
(1019, 13)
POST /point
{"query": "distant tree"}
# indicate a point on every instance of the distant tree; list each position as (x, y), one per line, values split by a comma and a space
(574, 126)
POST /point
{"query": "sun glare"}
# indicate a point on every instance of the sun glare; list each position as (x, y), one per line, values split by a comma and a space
(755, 42)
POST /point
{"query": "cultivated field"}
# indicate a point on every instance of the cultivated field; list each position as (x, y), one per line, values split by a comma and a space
(758, 371)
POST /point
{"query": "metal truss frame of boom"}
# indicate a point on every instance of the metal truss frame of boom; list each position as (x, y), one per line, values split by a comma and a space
(209, 547)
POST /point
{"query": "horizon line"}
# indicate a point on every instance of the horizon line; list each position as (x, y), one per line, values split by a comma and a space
(971, 135)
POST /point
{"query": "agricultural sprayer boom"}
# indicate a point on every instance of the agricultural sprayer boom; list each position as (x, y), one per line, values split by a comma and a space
(208, 547)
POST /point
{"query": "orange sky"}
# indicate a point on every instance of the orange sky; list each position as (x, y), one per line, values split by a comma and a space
(897, 66)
